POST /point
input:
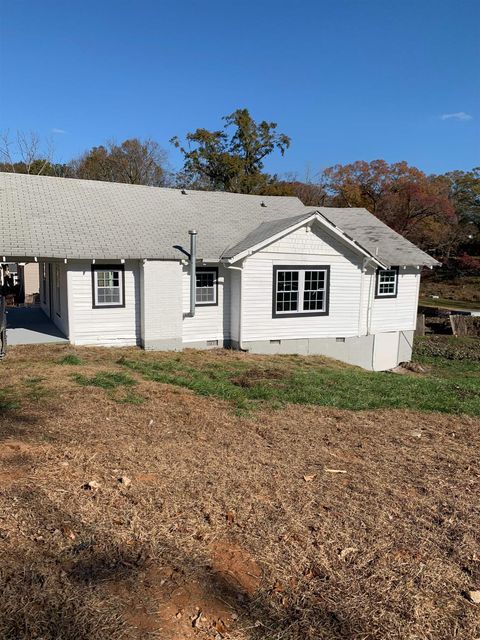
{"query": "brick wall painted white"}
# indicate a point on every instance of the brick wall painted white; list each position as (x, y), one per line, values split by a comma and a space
(161, 294)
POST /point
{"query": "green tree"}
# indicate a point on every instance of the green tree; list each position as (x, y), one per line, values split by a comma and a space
(134, 161)
(232, 158)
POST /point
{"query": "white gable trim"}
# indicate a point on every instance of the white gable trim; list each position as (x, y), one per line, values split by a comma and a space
(322, 221)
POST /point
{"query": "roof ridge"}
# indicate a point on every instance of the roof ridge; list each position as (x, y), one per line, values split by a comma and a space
(106, 183)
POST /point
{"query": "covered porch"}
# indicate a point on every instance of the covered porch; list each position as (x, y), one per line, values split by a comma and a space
(30, 325)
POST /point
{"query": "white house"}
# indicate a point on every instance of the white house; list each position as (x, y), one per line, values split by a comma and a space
(269, 275)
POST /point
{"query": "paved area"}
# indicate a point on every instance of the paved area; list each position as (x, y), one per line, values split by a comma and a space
(29, 325)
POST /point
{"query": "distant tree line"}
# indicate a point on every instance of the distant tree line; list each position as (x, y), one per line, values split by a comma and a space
(439, 213)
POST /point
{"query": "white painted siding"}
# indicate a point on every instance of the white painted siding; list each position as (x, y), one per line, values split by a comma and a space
(400, 313)
(211, 322)
(109, 326)
(161, 287)
(302, 247)
(60, 308)
(44, 292)
(235, 304)
(58, 313)
(31, 278)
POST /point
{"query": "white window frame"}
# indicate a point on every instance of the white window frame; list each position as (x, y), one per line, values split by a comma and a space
(209, 303)
(121, 286)
(301, 311)
(379, 283)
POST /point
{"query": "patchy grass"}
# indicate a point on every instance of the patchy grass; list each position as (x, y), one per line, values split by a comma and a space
(278, 381)
(241, 518)
(8, 399)
(105, 380)
(70, 358)
(116, 384)
(33, 389)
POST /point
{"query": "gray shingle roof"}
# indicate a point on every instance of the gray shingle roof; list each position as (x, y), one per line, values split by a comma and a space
(358, 224)
(264, 231)
(67, 218)
(376, 237)
(61, 217)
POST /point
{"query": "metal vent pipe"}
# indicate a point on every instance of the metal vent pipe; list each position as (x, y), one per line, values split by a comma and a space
(193, 272)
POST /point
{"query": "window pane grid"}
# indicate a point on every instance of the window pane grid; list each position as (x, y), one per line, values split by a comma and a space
(300, 291)
(108, 291)
(387, 282)
(206, 287)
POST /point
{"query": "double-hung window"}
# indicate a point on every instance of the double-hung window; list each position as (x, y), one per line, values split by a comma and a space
(108, 286)
(206, 290)
(387, 283)
(300, 291)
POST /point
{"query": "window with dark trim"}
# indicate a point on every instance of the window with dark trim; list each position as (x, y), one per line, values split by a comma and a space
(386, 285)
(108, 286)
(206, 290)
(300, 291)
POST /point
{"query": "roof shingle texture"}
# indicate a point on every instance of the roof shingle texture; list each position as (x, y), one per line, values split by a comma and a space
(67, 218)
(376, 237)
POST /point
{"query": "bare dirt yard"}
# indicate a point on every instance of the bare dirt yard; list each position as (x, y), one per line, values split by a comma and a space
(140, 499)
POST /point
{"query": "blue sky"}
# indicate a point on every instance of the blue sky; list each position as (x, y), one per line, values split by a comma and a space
(346, 79)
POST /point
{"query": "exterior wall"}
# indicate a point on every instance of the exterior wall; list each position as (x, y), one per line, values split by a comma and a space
(109, 326)
(400, 313)
(44, 288)
(360, 329)
(31, 278)
(302, 248)
(357, 350)
(385, 350)
(235, 305)
(211, 323)
(161, 305)
(56, 310)
(405, 345)
(373, 352)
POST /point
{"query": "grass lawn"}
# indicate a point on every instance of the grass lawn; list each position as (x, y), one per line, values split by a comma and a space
(275, 381)
(444, 303)
(220, 495)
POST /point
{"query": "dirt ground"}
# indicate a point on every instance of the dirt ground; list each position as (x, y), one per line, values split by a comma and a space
(177, 519)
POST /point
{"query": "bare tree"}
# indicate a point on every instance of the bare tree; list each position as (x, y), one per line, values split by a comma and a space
(28, 153)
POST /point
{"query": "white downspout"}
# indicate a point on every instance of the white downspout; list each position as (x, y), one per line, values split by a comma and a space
(365, 264)
(240, 306)
(371, 294)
